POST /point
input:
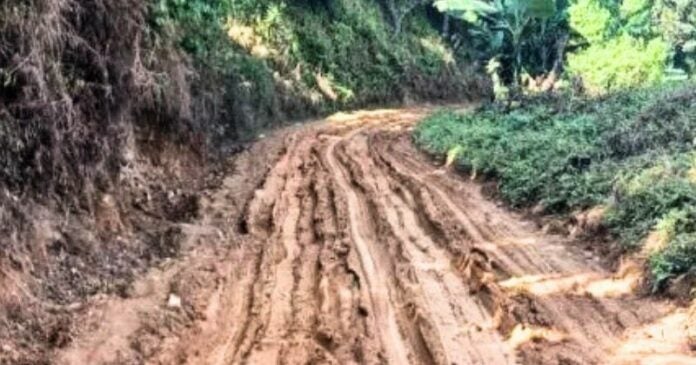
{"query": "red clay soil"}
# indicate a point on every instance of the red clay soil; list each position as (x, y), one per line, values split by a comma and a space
(339, 243)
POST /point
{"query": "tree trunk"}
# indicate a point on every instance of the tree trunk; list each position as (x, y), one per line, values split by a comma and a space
(446, 26)
(399, 13)
(558, 64)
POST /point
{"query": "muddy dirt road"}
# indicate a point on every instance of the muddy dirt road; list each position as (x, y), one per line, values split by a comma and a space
(339, 243)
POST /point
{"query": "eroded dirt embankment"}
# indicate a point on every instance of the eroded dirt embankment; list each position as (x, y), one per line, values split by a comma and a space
(339, 243)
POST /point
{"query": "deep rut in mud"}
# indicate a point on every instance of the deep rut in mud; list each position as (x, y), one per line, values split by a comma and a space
(355, 249)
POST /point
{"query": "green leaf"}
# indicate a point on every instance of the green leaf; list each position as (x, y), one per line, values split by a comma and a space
(689, 46)
(476, 6)
(541, 9)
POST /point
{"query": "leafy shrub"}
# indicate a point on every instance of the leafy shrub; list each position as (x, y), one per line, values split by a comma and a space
(632, 43)
(590, 19)
(664, 121)
(678, 257)
(620, 63)
(196, 25)
(642, 207)
(509, 148)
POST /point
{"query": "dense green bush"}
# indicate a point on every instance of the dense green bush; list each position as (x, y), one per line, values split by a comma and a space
(633, 42)
(620, 63)
(590, 19)
(620, 48)
(655, 194)
(632, 151)
(678, 257)
(196, 25)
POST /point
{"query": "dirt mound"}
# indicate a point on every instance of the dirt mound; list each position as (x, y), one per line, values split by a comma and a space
(339, 243)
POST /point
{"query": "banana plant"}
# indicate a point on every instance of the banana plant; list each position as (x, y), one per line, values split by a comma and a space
(504, 23)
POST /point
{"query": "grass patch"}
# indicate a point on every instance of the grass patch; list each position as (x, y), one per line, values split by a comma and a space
(633, 151)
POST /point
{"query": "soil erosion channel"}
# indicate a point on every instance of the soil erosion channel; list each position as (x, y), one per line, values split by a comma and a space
(353, 248)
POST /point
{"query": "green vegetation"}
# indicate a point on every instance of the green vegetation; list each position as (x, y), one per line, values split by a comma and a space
(623, 45)
(282, 59)
(633, 151)
(522, 36)
(620, 63)
(609, 45)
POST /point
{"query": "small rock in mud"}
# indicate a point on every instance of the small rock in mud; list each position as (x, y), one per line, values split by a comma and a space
(363, 311)
(174, 301)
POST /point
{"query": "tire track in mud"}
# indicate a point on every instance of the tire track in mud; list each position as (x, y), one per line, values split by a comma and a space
(456, 329)
(355, 249)
(376, 278)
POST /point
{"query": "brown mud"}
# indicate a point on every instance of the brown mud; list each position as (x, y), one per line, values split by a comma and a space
(339, 243)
